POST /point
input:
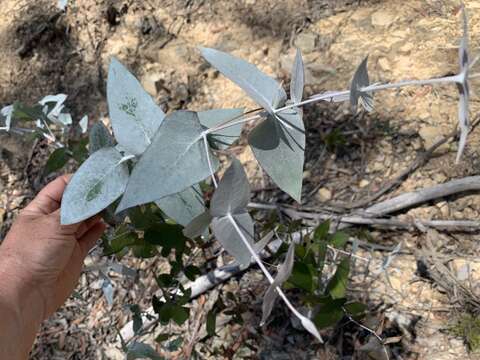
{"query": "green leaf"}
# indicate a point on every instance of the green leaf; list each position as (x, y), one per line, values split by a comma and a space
(79, 149)
(211, 323)
(57, 160)
(121, 238)
(301, 276)
(337, 286)
(355, 308)
(339, 239)
(162, 337)
(137, 318)
(263, 89)
(174, 161)
(280, 150)
(97, 183)
(322, 230)
(183, 207)
(170, 311)
(191, 272)
(330, 314)
(168, 236)
(99, 137)
(221, 139)
(134, 115)
(144, 217)
(142, 249)
(27, 113)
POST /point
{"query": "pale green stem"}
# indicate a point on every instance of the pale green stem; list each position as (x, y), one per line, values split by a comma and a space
(210, 166)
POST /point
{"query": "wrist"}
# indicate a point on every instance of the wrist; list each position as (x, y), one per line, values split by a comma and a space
(21, 310)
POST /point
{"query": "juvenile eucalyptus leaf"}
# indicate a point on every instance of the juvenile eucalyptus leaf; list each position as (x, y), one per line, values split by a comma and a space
(310, 327)
(298, 78)
(198, 226)
(184, 206)
(227, 235)
(223, 138)
(134, 115)
(284, 272)
(7, 112)
(84, 124)
(233, 192)
(98, 182)
(360, 80)
(99, 137)
(280, 151)
(263, 89)
(262, 244)
(463, 88)
(174, 161)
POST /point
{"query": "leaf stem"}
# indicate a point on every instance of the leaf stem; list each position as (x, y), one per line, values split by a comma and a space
(312, 100)
(231, 123)
(265, 270)
(209, 161)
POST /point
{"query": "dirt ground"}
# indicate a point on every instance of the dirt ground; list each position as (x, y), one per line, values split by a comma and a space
(44, 51)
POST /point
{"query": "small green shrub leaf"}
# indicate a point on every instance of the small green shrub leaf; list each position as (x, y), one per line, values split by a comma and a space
(99, 137)
(174, 161)
(280, 150)
(138, 350)
(97, 183)
(56, 161)
(337, 286)
(134, 115)
(223, 138)
(211, 323)
(226, 234)
(263, 89)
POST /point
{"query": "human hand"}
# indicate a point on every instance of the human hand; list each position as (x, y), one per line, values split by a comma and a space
(43, 256)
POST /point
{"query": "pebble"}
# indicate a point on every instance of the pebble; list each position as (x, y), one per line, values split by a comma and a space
(364, 183)
(382, 18)
(324, 194)
(306, 42)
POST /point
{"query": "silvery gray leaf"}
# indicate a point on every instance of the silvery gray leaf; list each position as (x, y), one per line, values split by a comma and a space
(463, 118)
(134, 115)
(100, 181)
(118, 268)
(83, 123)
(174, 161)
(62, 4)
(137, 350)
(64, 119)
(227, 235)
(280, 150)
(233, 192)
(99, 137)
(58, 100)
(184, 206)
(260, 245)
(222, 138)
(198, 226)
(359, 81)
(298, 78)
(310, 327)
(263, 89)
(6, 113)
(284, 272)
(463, 49)
(107, 288)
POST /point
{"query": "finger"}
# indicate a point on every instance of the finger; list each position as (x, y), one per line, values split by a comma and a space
(49, 198)
(86, 225)
(91, 237)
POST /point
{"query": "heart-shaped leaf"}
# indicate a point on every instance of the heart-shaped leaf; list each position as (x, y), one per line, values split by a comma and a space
(134, 115)
(100, 180)
(99, 137)
(174, 161)
(263, 89)
(298, 79)
(183, 207)
(223, 138)
(284, 272)
(279, 148)
(230, 239)
(198, 226)
(359, 81)
(233, 192)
